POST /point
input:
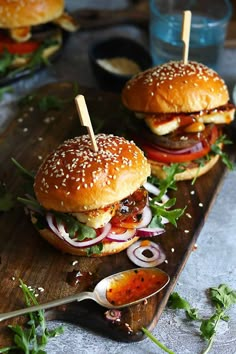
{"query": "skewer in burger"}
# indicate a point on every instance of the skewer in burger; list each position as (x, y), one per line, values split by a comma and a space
(28, 27)
(92, 203)
(181, 109)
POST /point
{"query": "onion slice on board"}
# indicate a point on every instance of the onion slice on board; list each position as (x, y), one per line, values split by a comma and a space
(135, 252)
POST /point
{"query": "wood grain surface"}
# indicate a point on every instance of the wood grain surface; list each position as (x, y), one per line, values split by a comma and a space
(28, 138)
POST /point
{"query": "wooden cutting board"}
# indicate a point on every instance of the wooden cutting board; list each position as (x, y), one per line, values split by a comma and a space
(24, 254)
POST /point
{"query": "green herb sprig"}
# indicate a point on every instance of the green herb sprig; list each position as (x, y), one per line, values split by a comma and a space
(48, 102)
(160, 209)
(222, 298)
(32, 338)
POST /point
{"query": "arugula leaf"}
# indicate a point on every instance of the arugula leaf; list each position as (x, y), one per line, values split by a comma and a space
(169, 181)
(222, 297)
(6, 198)
(159, 210)
(73, 226)
(32, 338)
(177, 302)
(216, 149)
(48, 102)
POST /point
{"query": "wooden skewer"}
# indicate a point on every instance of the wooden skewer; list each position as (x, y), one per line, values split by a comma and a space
(186, 25)
(85, 119)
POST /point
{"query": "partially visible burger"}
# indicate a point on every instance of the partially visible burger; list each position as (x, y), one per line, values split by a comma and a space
(91, 202)
(28, 26)
(181, 109)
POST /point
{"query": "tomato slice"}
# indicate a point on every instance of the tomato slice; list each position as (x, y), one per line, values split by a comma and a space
(13, 47)
(167, 157)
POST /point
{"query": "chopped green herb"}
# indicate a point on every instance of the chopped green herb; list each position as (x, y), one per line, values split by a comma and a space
(32, 338)
(216, 149)
(222, 298)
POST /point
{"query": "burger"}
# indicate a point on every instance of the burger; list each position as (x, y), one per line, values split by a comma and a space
(91, 203)
(31, 30)
(180, 110)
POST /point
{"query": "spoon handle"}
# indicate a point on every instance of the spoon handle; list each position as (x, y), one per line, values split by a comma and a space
(76, 297)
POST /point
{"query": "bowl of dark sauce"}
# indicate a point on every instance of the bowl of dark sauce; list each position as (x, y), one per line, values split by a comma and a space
(115, 60)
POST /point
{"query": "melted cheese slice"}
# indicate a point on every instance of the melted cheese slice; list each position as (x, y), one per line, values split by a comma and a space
(167, 126)
(20, 34)
(96, 218)
(67, 22)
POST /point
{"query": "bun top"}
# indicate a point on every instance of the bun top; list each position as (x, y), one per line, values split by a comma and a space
(175, 87)
(22, 13)
(74, 178)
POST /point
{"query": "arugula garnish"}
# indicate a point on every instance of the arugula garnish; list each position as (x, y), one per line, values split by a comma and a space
(33, 338)
(177, 302)
(6, 198)
(48, 102)
(216, 149)
(160, 209)
(222, 297)
(169, 181)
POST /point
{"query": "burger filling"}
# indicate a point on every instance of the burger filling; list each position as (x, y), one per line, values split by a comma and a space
(177, 138)
(119, 214)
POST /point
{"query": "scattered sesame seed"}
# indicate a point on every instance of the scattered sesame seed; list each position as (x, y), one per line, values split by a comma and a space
(172, 249)
(192, 192)
(186, 231)
(200, 204)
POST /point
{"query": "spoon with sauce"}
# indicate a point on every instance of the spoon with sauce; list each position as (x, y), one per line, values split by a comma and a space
(115, 291)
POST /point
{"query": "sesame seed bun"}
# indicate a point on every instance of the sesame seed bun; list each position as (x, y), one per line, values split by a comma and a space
(23, 13)
(74, 178)
(175, 87)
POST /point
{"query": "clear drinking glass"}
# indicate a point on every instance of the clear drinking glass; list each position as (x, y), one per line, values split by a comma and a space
(207, 35)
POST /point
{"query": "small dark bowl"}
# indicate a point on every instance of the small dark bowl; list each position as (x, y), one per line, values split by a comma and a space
(114, 48)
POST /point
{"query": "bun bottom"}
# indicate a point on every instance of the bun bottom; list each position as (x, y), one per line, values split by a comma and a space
(108, 248)
(190, 172)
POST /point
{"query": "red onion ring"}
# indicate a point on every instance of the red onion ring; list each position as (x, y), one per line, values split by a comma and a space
(149, 232)
(60, 231)
(135, 252)
(146, 218)
(127, 235)
(83, 244)
(194, 148)
(50, 218)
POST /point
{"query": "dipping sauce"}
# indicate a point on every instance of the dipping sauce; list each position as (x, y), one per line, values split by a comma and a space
(135, 285)
(119, 65)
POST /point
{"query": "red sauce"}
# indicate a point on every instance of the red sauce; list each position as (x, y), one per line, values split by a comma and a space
(135, 285)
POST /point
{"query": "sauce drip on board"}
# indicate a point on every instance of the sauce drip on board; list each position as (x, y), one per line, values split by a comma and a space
(135, 285)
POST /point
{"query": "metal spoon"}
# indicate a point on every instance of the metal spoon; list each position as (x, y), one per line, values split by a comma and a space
(100, 292)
